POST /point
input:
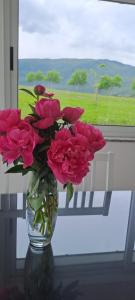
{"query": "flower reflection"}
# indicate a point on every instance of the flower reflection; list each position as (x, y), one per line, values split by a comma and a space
(11, 293)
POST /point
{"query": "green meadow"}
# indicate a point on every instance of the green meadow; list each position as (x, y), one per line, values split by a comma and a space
(106, 110)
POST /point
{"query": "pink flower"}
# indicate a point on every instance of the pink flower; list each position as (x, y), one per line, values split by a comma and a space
(63, 134)
(38, 138)
(39, 89)
(30, 119)
(71, 114)
(49, 95)
(8, 119)
(94, 136)
(19, 142)
(48, 111)
(69, 157)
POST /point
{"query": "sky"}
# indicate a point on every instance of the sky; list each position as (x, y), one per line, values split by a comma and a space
(77, 29)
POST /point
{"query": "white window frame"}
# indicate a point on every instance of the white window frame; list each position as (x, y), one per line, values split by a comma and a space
(8, 38)
(9, 20)
(122, 1)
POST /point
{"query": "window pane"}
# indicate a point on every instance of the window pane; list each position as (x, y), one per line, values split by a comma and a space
(84, 52)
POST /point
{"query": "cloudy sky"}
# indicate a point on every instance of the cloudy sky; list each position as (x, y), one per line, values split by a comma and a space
(77, 29)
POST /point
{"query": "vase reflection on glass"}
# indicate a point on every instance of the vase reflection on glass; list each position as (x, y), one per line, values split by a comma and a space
(43, 279)
(39, 274)
(42, 207)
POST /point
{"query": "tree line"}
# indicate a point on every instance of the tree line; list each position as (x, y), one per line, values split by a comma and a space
(80, 78)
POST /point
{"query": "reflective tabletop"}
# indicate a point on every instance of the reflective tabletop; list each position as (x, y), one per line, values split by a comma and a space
(91, 255)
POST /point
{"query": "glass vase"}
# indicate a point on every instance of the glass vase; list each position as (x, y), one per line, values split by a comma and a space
(42, 207)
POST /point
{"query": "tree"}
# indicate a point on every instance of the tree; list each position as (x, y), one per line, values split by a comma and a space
(116, 81)
(78, 78)
(101, 66)
(52, 76)
(107, 82)
(30, 77)
(39, 76)
(104, 83)
(35, 76)
(97, 79)
(133, 85)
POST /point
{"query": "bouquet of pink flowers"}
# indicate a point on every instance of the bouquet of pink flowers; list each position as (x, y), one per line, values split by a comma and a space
(50, 141)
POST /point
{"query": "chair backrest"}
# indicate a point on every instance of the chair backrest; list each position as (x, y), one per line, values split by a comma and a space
(82, 203)
(100, 177)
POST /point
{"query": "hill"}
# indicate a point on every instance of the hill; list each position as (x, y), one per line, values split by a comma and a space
(67, 66)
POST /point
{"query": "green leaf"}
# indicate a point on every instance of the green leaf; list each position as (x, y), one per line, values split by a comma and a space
(28, 92)
(44, 173)
(26, 170)
(32, 108)
(38, 217)
(16, 161)
(43, 147)
(15, 169)
(19, 169)
(70, 191)
(33, 115)
(35, 202)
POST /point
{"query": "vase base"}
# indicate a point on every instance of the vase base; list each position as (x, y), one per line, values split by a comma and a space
(38, 243)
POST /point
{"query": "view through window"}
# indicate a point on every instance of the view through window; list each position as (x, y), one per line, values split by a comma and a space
(84, 52)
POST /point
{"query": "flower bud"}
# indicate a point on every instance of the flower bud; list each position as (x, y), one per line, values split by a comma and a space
(39, 90)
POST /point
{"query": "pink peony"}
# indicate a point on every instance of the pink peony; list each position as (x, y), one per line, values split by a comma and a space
(49, 95)
(38, 138)
(39, 90)
(30, 119)
(68, 157)
(63, 134)
(8, 119)
(19, 142)
(94, 136)
(49, 111)
(71, 114)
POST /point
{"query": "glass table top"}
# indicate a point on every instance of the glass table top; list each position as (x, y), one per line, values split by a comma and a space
(91, 255)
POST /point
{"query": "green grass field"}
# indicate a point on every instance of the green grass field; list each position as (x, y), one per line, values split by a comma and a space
(108, 110)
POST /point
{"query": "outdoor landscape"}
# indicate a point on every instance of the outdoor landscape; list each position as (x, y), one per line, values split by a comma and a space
(104, 88)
